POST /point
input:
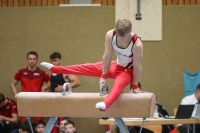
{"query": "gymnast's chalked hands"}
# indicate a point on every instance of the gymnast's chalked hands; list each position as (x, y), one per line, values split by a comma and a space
(136, 91)
(103, 82)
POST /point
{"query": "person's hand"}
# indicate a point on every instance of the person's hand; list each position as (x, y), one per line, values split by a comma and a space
(136, 91)
(103, 82)
(44, 87)
(1, 117)
(59, 88)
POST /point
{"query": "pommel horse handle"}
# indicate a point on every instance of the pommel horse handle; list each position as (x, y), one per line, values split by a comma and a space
(102, 92)
(66, 87)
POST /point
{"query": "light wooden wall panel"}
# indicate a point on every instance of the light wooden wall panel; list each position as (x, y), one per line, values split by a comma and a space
(33, 2)
(181, 2)
(96, 1)
(21, 2)
(44, 2)
(61, 1)
(10, 2)
(150, 26)
(27, 3)
(110, 2)
(16, 2)
(102, 2)
(38, 3)
(55, 2)
(187, 2)
(4, 3)
(50, 3)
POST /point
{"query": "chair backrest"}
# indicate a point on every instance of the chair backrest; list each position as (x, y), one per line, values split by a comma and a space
(175, 125)
(175, 111)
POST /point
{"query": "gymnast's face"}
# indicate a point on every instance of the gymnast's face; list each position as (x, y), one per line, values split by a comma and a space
(32, 60)
(124, 37)
(56, 61)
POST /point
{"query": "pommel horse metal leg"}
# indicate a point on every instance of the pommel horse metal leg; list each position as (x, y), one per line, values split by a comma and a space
(121, 125)
(142, 125)
(49, 125)
(52, 121)
(28, 118)
(194, 129)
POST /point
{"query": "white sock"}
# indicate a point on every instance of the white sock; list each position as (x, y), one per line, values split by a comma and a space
(101, 105)
(47, 65)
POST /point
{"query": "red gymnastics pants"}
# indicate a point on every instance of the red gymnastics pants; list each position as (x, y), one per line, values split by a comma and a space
(122, 76)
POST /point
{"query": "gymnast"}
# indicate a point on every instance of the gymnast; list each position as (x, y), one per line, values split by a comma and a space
(125, 70)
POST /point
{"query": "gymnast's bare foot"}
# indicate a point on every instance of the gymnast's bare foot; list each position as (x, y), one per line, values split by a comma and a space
(101, 106)
(49, 66)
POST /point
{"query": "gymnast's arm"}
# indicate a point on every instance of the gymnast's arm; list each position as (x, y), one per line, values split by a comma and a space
(13, 86)
(137, 60)
(107, 56)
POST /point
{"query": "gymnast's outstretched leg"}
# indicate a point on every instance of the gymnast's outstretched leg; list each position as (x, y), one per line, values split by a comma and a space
(88, 69)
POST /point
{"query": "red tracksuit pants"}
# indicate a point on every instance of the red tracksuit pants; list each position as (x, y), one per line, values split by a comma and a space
(122, 76)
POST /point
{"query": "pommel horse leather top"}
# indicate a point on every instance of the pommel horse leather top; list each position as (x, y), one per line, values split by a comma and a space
(49, 104)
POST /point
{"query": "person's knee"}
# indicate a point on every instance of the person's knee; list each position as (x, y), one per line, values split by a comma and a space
(11, 126)
(1, 127)
(182, 129)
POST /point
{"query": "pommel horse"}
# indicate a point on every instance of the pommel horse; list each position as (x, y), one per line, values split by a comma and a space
(54, 105)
